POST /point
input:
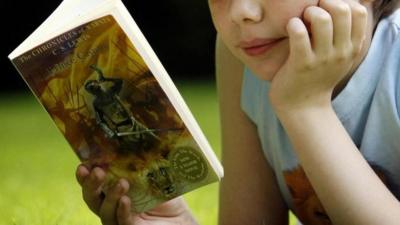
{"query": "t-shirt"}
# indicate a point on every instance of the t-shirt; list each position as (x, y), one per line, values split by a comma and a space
(368, 107)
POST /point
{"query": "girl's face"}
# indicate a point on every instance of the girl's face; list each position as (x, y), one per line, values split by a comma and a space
(255, 30)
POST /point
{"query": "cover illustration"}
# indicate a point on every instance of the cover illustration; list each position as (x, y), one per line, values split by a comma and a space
(112, 111)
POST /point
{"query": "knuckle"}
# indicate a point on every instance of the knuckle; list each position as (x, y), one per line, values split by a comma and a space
(342, 56)
(341, 59)
(355, 51)
(323, 60)
(307, 65)
(319, 60)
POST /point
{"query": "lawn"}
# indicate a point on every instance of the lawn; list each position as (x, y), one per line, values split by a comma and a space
(37, 166)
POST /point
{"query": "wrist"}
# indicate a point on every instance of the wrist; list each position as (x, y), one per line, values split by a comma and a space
(301, 101)
(303, 109)
(300, 112)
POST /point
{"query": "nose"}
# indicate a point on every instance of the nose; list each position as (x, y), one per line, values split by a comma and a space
(246, 11)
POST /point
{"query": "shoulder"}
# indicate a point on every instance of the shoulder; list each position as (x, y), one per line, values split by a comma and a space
(394, 19)
(387, 43)
(392, 65)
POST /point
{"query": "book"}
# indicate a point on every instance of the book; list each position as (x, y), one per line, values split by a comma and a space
(93, 71)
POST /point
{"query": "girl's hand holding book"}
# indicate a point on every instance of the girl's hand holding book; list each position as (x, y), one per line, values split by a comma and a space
(114, 207)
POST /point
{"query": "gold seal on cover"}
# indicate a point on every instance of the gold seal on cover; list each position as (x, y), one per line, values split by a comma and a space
(189, 164)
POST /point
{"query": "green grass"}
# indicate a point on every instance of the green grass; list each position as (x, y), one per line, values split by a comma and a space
(37, 185)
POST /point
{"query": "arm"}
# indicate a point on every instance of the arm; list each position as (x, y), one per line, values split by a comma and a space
(100, 121)
(301, 95)
(348, 188)
(248, 193)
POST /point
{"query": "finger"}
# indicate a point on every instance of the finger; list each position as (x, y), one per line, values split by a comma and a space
(124, 215)
(81, 174)
(109, 206)
(321, 29)
(299, 41)
(92, 189)
(359, 25)
(342, 21)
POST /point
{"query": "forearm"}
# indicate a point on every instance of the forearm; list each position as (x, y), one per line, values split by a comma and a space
(348, 188)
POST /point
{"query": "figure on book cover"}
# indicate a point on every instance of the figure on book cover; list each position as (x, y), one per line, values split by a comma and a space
(114, 118)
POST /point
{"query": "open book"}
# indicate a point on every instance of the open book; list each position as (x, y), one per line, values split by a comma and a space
(92, 69)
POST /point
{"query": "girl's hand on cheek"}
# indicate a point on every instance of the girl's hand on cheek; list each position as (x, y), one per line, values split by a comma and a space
(320, 60)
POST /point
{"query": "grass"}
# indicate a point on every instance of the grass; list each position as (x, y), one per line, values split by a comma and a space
(37, 185)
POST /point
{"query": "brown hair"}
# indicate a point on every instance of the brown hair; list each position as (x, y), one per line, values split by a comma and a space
(383, 8)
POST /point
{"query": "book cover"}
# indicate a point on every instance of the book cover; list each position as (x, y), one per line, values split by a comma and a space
(113, 112)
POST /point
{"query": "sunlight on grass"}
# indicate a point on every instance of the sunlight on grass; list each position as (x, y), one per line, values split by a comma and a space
(37, 165)
(37, 169)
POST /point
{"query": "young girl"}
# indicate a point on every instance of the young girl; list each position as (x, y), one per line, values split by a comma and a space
(310, 110)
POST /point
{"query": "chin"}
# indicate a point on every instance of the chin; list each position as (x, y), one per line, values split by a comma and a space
(267, 67)
(265, 71)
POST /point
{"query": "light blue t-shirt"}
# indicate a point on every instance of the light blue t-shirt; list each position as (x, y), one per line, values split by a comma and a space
(368, 107)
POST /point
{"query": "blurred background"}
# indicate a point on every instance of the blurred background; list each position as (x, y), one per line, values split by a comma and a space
(180, 32)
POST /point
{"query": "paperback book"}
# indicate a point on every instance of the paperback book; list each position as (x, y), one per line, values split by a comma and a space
(97, 77)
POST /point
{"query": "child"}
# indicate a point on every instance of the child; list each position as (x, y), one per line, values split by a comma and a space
(311, 124)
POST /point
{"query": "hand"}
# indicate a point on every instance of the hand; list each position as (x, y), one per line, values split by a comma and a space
(114, 207)
(320, 60)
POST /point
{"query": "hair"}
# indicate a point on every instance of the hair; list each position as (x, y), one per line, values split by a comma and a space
(383, 8)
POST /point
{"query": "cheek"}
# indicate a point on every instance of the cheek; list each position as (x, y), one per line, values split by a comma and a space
(218, 11)
(223, 27)
(289, 9)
